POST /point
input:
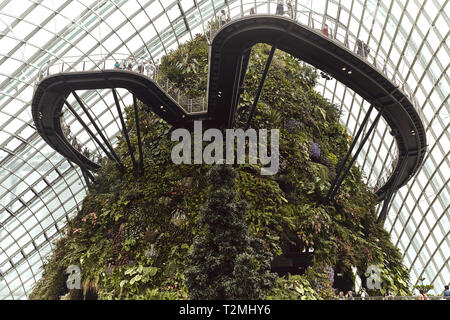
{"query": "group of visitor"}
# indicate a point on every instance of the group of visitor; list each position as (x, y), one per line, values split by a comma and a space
(73, 141)
(348, 296)
(387, 295)
(150, 70)
(290, 8)
(325, 76)
(362, 49)
(224, 18)
(445, 294)
(143, 67)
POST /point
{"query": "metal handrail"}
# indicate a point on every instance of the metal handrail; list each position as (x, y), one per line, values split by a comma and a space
(145, 68)
(386, 175)
(72, 140)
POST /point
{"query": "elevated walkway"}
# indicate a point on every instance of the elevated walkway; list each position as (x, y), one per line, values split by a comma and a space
(230, 48)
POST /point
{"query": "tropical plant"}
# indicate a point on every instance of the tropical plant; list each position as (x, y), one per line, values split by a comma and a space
(226, 262)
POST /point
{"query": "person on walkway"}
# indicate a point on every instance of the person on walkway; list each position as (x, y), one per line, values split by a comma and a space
(387, 295)
(116, 65)
(130, 65)
(446, 294)
(359, 48)
(45, 70)
(290, 8)
(422, 295)
(66, 131)
(341, 295)
(363, 294)
(252, 11)
(222, 18)
(280, 7)
(366, 50)
(325, 30)
(349, 295)
(151, 69)
(141, 66)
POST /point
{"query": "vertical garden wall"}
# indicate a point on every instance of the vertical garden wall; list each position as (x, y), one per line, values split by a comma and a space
(133, 237)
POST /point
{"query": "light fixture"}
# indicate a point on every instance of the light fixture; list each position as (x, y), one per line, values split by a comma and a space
(344, 68)
(349, 72)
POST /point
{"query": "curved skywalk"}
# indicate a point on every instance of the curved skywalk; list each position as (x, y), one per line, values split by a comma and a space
(229, 46)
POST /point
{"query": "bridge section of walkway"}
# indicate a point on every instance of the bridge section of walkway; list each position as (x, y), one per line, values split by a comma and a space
(229, 53)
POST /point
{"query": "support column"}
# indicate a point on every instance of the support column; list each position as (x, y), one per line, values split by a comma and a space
(261, 85)
(91, 134)
(138, 133)
(388, 197)
(352, 146)
(114, 154)
(339, 181)
(124, 128)
(235, 95)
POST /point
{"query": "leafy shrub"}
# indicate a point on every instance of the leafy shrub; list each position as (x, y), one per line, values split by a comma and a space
(226, 262)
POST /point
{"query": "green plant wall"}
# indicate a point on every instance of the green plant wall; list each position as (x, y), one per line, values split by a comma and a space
(133, 233)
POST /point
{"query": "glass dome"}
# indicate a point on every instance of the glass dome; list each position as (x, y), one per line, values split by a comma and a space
(40, 190)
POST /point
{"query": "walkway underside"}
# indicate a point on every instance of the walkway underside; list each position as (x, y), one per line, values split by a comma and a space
(228, 61)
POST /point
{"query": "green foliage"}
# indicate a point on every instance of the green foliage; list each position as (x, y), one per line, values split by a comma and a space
(187, 66)
(133, 233)
(295, 288)
(423, 287)
(226, 262)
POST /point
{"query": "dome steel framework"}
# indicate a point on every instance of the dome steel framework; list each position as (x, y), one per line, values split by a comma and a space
(40, 189)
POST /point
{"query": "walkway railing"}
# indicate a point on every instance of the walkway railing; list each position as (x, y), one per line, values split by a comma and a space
(379, 182)
(71, 138)
(127, 63)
